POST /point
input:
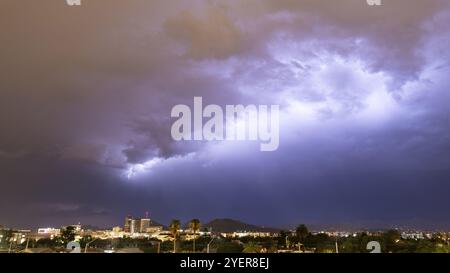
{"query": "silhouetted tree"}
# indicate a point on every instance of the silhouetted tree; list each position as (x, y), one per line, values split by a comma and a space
(68, 234)
(194, 225)
(174, 228)
(302, 232)
(252, 247)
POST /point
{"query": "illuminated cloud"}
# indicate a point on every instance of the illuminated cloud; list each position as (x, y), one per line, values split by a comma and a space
(135, 169)
(86, 94)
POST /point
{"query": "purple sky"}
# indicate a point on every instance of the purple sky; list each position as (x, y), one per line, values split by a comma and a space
(86, 94)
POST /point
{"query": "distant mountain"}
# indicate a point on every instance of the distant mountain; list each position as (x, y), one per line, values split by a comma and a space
(90, 227)
(230, 225)
(154, 223)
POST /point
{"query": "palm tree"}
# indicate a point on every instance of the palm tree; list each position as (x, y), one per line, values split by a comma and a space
(174, 228)
(194, 225)
(301, 232)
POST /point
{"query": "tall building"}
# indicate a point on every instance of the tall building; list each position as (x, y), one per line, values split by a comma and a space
(127, 225)
(136, 225)
(144, 224)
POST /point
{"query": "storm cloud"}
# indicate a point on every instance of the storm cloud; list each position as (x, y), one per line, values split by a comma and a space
(86, 94)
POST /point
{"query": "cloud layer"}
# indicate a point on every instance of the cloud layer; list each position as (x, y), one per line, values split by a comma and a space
(86, 94)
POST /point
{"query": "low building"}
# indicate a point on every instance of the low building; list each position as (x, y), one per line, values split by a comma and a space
(49, 232)
(20, 236)
(154, 229)
(242, 234)
(117, 229)
(412, 236)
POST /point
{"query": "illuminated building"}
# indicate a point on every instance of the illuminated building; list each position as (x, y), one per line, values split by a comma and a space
(136, 225)
(127, 225)
(51, 232)
(144, 225)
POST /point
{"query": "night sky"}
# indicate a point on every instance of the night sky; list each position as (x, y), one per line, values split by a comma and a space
(86, 94)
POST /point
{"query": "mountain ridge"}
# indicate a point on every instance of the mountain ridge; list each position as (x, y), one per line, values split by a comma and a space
(232, 225)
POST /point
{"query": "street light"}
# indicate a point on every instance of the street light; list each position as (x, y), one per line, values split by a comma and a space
(207, 247)
(87, 245)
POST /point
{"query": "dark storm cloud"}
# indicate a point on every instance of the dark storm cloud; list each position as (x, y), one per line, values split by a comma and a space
(395, 30)
(215, 36)
(86, 94)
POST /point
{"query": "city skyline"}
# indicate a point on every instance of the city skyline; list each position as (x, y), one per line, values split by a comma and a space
(141, 225)
(86, 94)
